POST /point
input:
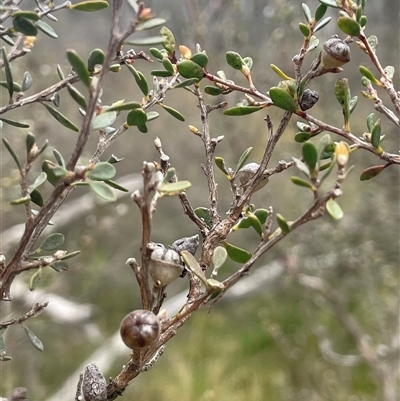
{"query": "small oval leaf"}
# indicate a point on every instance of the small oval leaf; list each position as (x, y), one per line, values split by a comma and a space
(237, 254)
(173, 112)
(282, 99)
(124, 106)
(190, 69)
(320, 12)
(219, 256)
(304, 29)
(30, 141)
(104, 120)
(7, 144)
(334, 209)
(77, 96)
(79, 66)
(59, 266)
(213, 90)
(96, 57)
(149, 24)
(41, 179)
(185, 83)
(53, 242)
(220, 163)
(243, 158)
(102, 190)
(25, 26)
(282, 223)
(371, 172)
(193, 266)
(322, 23)
(302, 137)
(301, 183)
(89, 5)
(153, 40)
(46, 29)
(61, 118)
(140, 79)
(200, 58)
(26, 81)
(241, 110)
(349, 26)
(9, 78)
(310, 155)
(204, 214)
(174, 188)
(37, 198)
(136, 117)
(234, 60)
(33, 338)
(33, 282)
(115, 185)
(102, 171)
(169, 40)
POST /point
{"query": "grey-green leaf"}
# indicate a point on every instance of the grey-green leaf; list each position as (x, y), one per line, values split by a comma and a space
(79, 66)
(25, 26)
(140, 79)
(26, 81)
(102, 171)
(310, 155)
(46, 29)
(77, 96)
(153, 40)
(243, 158)
(219, 256)
(104, 120)
(334, 209)
(174, 188)
(53, 242)
(237, 254)
(61, 118)
(12, 153)
(14, 123)
(282, 223)
(59, 266)
(204, 214)
(40, 179)
(59, 157)
(173, 112)
(103, 190)
(7, 69)
(33, 338)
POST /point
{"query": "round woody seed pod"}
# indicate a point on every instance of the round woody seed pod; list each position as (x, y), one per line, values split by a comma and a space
(335, 53)
(140, 329)
(165, 265)
(308, 99)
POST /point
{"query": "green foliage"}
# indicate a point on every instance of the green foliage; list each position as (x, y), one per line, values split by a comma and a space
(189, 85)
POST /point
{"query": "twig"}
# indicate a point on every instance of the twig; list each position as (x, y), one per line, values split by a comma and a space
(208, 167)
(35, 310)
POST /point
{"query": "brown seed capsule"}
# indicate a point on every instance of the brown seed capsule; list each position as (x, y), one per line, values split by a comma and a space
(335, 53)
(140, 329)
(246, 173)
(165, 265)
(308, 99)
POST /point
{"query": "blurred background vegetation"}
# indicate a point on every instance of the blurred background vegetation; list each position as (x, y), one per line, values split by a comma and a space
(265, 346)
